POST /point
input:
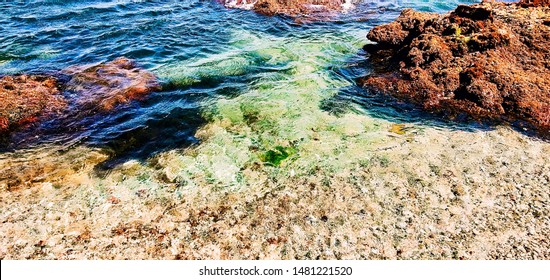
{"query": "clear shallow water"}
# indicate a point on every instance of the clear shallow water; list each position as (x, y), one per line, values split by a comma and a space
(268, 74)
(247, 89)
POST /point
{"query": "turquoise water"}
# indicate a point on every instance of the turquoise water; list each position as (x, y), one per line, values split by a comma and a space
(269, 76)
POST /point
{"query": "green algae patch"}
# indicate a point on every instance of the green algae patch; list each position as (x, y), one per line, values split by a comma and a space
(278, 113)
(273, 126)
(244, 57)
(397, 129)
(277, 155)
(205, 70)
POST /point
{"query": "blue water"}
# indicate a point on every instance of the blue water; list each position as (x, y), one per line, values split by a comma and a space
(43, 36)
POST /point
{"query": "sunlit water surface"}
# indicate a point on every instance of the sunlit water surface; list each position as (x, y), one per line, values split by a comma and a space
(269, 81)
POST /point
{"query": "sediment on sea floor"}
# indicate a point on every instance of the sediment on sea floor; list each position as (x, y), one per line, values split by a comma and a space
(290, 165)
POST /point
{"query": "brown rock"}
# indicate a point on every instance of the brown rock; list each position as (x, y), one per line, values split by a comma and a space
(106, 85)
(26, 98)
(99, 88)
(490, 61)
(296, 7)
(288, 7)
(534, 3)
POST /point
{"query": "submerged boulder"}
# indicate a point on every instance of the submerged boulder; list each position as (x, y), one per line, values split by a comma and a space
(486, 61)
(83, 91)
(106, 85)
(26, 98)
(291, 7)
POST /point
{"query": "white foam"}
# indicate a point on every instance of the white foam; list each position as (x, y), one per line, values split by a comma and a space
(241, 4)
(348, 5)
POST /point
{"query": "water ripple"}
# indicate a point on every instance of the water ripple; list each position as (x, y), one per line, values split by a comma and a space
(201, 50)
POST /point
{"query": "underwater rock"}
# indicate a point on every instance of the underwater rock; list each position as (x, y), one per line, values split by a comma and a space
(291, 7)
(103, 86)
(486, 61)
(26, 98)
(74, 93)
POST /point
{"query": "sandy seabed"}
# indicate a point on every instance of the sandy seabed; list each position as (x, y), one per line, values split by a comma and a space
(277, 177)
(426, 194)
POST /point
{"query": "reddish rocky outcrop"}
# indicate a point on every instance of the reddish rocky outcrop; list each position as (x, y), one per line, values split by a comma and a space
(25, 98)
(106, 85)
(489, 61)
(291, 7)
(534, 3)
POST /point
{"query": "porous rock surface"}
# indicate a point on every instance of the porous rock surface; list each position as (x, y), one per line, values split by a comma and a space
(24, 98)
(486, 61)
(290, 7)
(105, 85)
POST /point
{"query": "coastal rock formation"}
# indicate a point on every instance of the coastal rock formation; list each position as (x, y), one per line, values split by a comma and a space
(25, 98)
(486, 61)
(103, 86)
(88, 90)
(534, 3)
(291, 7)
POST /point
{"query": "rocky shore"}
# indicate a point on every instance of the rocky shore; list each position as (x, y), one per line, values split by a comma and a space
(27, 99)
(489, 61)
(275, 175)
(23, 98)
(106, 85)
(291, 7)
